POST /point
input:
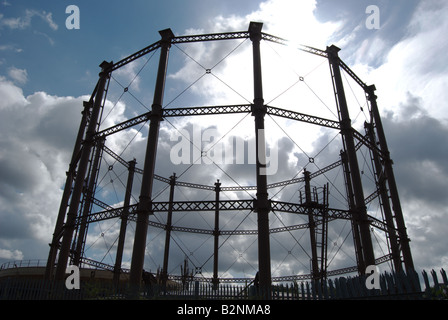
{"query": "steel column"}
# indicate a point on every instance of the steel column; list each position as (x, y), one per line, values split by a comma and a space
(124, 222)
(324, 241)
(347, 133)
(80, 176)
(354, 220)
(312, 227)
(71, 173)
(145, 206)
(168, 231)
(262, 203)
(215, 280)
(382, 190)
(88, 196)
(393, 190)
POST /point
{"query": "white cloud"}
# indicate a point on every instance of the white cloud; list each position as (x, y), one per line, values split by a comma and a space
(11, 255)
(10, 47)
(37, 135)
(25, 21)
(18, 75)
(295, 21)
(12, 95)
(414, 64)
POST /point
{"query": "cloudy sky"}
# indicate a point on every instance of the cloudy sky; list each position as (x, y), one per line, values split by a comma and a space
(48, 70)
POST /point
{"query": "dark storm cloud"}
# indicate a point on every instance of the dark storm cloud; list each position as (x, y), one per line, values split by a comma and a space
(418, 146)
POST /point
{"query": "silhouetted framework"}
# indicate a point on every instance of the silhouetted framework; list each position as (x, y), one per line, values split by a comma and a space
(75, 213)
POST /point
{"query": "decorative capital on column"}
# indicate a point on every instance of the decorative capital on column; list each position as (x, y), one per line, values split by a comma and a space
(167, 35)
(255, 30)
(173, 179)
(218, 186)
(105, 66)
(370, 90)
(333, 50)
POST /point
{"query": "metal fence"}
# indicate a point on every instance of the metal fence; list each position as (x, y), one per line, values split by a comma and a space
(393, 286)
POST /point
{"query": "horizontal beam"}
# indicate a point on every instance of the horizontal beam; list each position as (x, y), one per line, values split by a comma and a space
(212, 110)
(135, 56)
(353, 75)
(230, 36)
(297, 208)
(232, 188)
(302, 117)
(225, 232)
(187, 206)
(207, 110)
(300, 277)
(211, 37)
(178, 206)
(230, 205)
(115, 156)
(175, 112)
(123, 125)
(275, 39)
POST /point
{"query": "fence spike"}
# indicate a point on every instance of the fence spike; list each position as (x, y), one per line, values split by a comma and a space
(445, 279)
(331, 290)
(435, 279)
(308, 293)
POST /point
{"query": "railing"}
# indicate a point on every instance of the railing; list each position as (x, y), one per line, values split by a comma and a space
(23, 264)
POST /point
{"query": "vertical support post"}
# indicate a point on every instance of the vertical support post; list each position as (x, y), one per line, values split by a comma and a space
(396, 205)
(145, 206)
(124, 222)
(168, 231)
(347, 133)
(354, 221)
(215, 280)
(88, 201)
(80, 176)
(71, 173)
(312, 226)
(382, 190)
(262, 203)
(324, 241)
